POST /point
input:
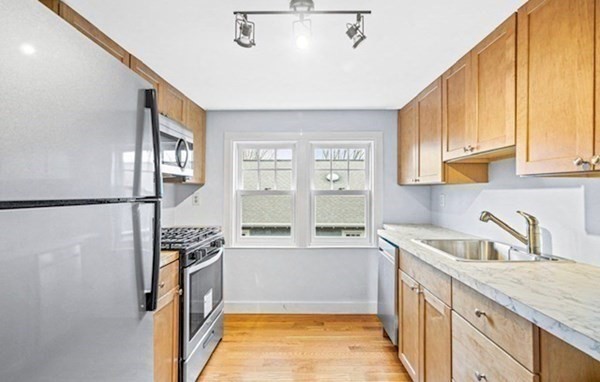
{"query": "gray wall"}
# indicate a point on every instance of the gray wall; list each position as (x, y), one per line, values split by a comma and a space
(568, 209)
(306, 280)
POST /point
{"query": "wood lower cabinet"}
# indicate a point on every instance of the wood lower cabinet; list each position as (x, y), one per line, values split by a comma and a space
(409, 338)
(556, 85)
(436, 321)
(561, 362)
(166, 326)
(93, 33)
(424, 341)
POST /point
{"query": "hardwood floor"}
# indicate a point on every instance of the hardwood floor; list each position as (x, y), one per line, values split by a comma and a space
(304, 348)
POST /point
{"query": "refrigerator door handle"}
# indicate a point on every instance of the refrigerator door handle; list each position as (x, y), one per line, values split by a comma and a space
(152, 104)
(152, 295)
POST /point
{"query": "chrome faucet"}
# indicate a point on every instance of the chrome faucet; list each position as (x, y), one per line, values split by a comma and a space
(532, 240)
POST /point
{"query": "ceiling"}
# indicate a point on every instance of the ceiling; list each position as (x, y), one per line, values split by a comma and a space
(190, 43)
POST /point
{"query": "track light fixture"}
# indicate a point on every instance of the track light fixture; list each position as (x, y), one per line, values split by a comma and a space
(244, 29)
(356, 32)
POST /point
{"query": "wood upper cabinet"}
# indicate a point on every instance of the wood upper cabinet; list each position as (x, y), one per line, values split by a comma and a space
(409, 339)
(93, 33)
(166, 329)
(429, 117)
(556, 67)
(52, 4)
(408, 132)
(494, 86)
(196, 121)
(457, 109)
(172, 103)
(436, 365)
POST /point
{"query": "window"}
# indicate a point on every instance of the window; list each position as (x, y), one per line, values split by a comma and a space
(265, 192)
(310, 190)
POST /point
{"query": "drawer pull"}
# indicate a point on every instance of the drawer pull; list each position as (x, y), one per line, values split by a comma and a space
(480, 313)
(162, 285)
(480, 376)
(414, 288)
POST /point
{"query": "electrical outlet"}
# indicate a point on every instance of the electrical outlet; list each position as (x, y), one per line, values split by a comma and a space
(442, 200)
(195, 199)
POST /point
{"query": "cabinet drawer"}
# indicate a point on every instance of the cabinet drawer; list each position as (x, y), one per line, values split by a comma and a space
(514, 334)
(437, 282)
(475, 356)
(168, 278)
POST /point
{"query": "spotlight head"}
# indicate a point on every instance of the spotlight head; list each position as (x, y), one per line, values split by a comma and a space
(355, 32)
(302, 5)
(244, 32)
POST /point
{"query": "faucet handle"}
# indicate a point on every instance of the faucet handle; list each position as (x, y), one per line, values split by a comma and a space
(530, 218)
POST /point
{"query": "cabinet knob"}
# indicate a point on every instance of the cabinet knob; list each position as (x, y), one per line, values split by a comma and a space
(595, 160)
(480, 376)
(578, 161)
(162, 285)
(480, 313)
(414, 288)
(470, 148)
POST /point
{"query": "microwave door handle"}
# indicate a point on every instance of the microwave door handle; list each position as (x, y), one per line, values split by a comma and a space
(152, 104)
(181, 143)
(187, 153)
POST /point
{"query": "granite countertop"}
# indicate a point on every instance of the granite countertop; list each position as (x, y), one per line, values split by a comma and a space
(561, 298)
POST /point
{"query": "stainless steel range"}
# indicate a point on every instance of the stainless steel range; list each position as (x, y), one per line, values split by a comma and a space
(201, 257)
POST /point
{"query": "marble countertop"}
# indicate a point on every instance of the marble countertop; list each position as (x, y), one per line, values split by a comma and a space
(561, 298)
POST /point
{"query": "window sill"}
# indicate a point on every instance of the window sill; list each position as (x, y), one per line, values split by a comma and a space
(366, 246)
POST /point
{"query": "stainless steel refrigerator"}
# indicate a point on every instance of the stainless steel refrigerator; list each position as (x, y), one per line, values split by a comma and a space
(80, 193)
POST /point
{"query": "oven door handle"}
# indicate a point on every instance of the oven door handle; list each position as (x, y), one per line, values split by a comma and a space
(205, 264)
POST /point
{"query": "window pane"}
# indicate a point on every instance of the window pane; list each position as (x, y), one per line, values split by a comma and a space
(250, 180)
(340, 215)
(322, 155)
(322, 180)
(357, 159)
(339, 159)
(284, 180)
(249, 159)
(267, 179)
(266, 215)
(284, 158)
(357, 180)
(267, 158)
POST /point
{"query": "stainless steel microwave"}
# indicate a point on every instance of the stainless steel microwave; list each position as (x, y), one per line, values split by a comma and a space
(177, 146)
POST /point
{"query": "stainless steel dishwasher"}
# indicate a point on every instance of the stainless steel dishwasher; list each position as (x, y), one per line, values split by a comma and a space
(387, 289)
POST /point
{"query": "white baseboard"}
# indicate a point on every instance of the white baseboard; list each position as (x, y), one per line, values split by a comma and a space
(301, 307)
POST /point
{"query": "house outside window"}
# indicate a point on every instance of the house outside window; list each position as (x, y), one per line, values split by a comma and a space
(301, 190)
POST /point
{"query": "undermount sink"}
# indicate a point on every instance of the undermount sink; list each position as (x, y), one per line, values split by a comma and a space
(482, 251)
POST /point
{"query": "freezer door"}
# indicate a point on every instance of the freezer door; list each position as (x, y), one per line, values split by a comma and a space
(72, 283)
(72, 122)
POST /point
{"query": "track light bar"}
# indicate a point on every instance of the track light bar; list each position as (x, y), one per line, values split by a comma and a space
(267, 13)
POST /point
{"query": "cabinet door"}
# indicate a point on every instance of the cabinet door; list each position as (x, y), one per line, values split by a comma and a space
(409, 344)
(494, 81)
(196, 121)
(166, 338)
(555, 85)
(407, 144)
(437, 339)
(93, 33)
(146, 73)
(173, 103)
(52, 4)
(457, 109)
(429, 117)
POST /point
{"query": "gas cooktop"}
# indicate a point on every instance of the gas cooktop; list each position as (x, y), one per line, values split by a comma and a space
(186, 237)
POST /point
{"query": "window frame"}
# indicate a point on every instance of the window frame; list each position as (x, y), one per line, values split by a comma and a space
(240, 192)
(324, 241)
(302, 178)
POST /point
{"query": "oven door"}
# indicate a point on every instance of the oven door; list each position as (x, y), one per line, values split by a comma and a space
(203, 294)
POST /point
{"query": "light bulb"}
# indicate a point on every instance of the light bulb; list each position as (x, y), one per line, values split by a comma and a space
(302, 42)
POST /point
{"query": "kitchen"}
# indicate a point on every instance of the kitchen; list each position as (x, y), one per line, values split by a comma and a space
(352, 231)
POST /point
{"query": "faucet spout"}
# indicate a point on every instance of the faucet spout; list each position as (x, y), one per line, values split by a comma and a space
(532, 240)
